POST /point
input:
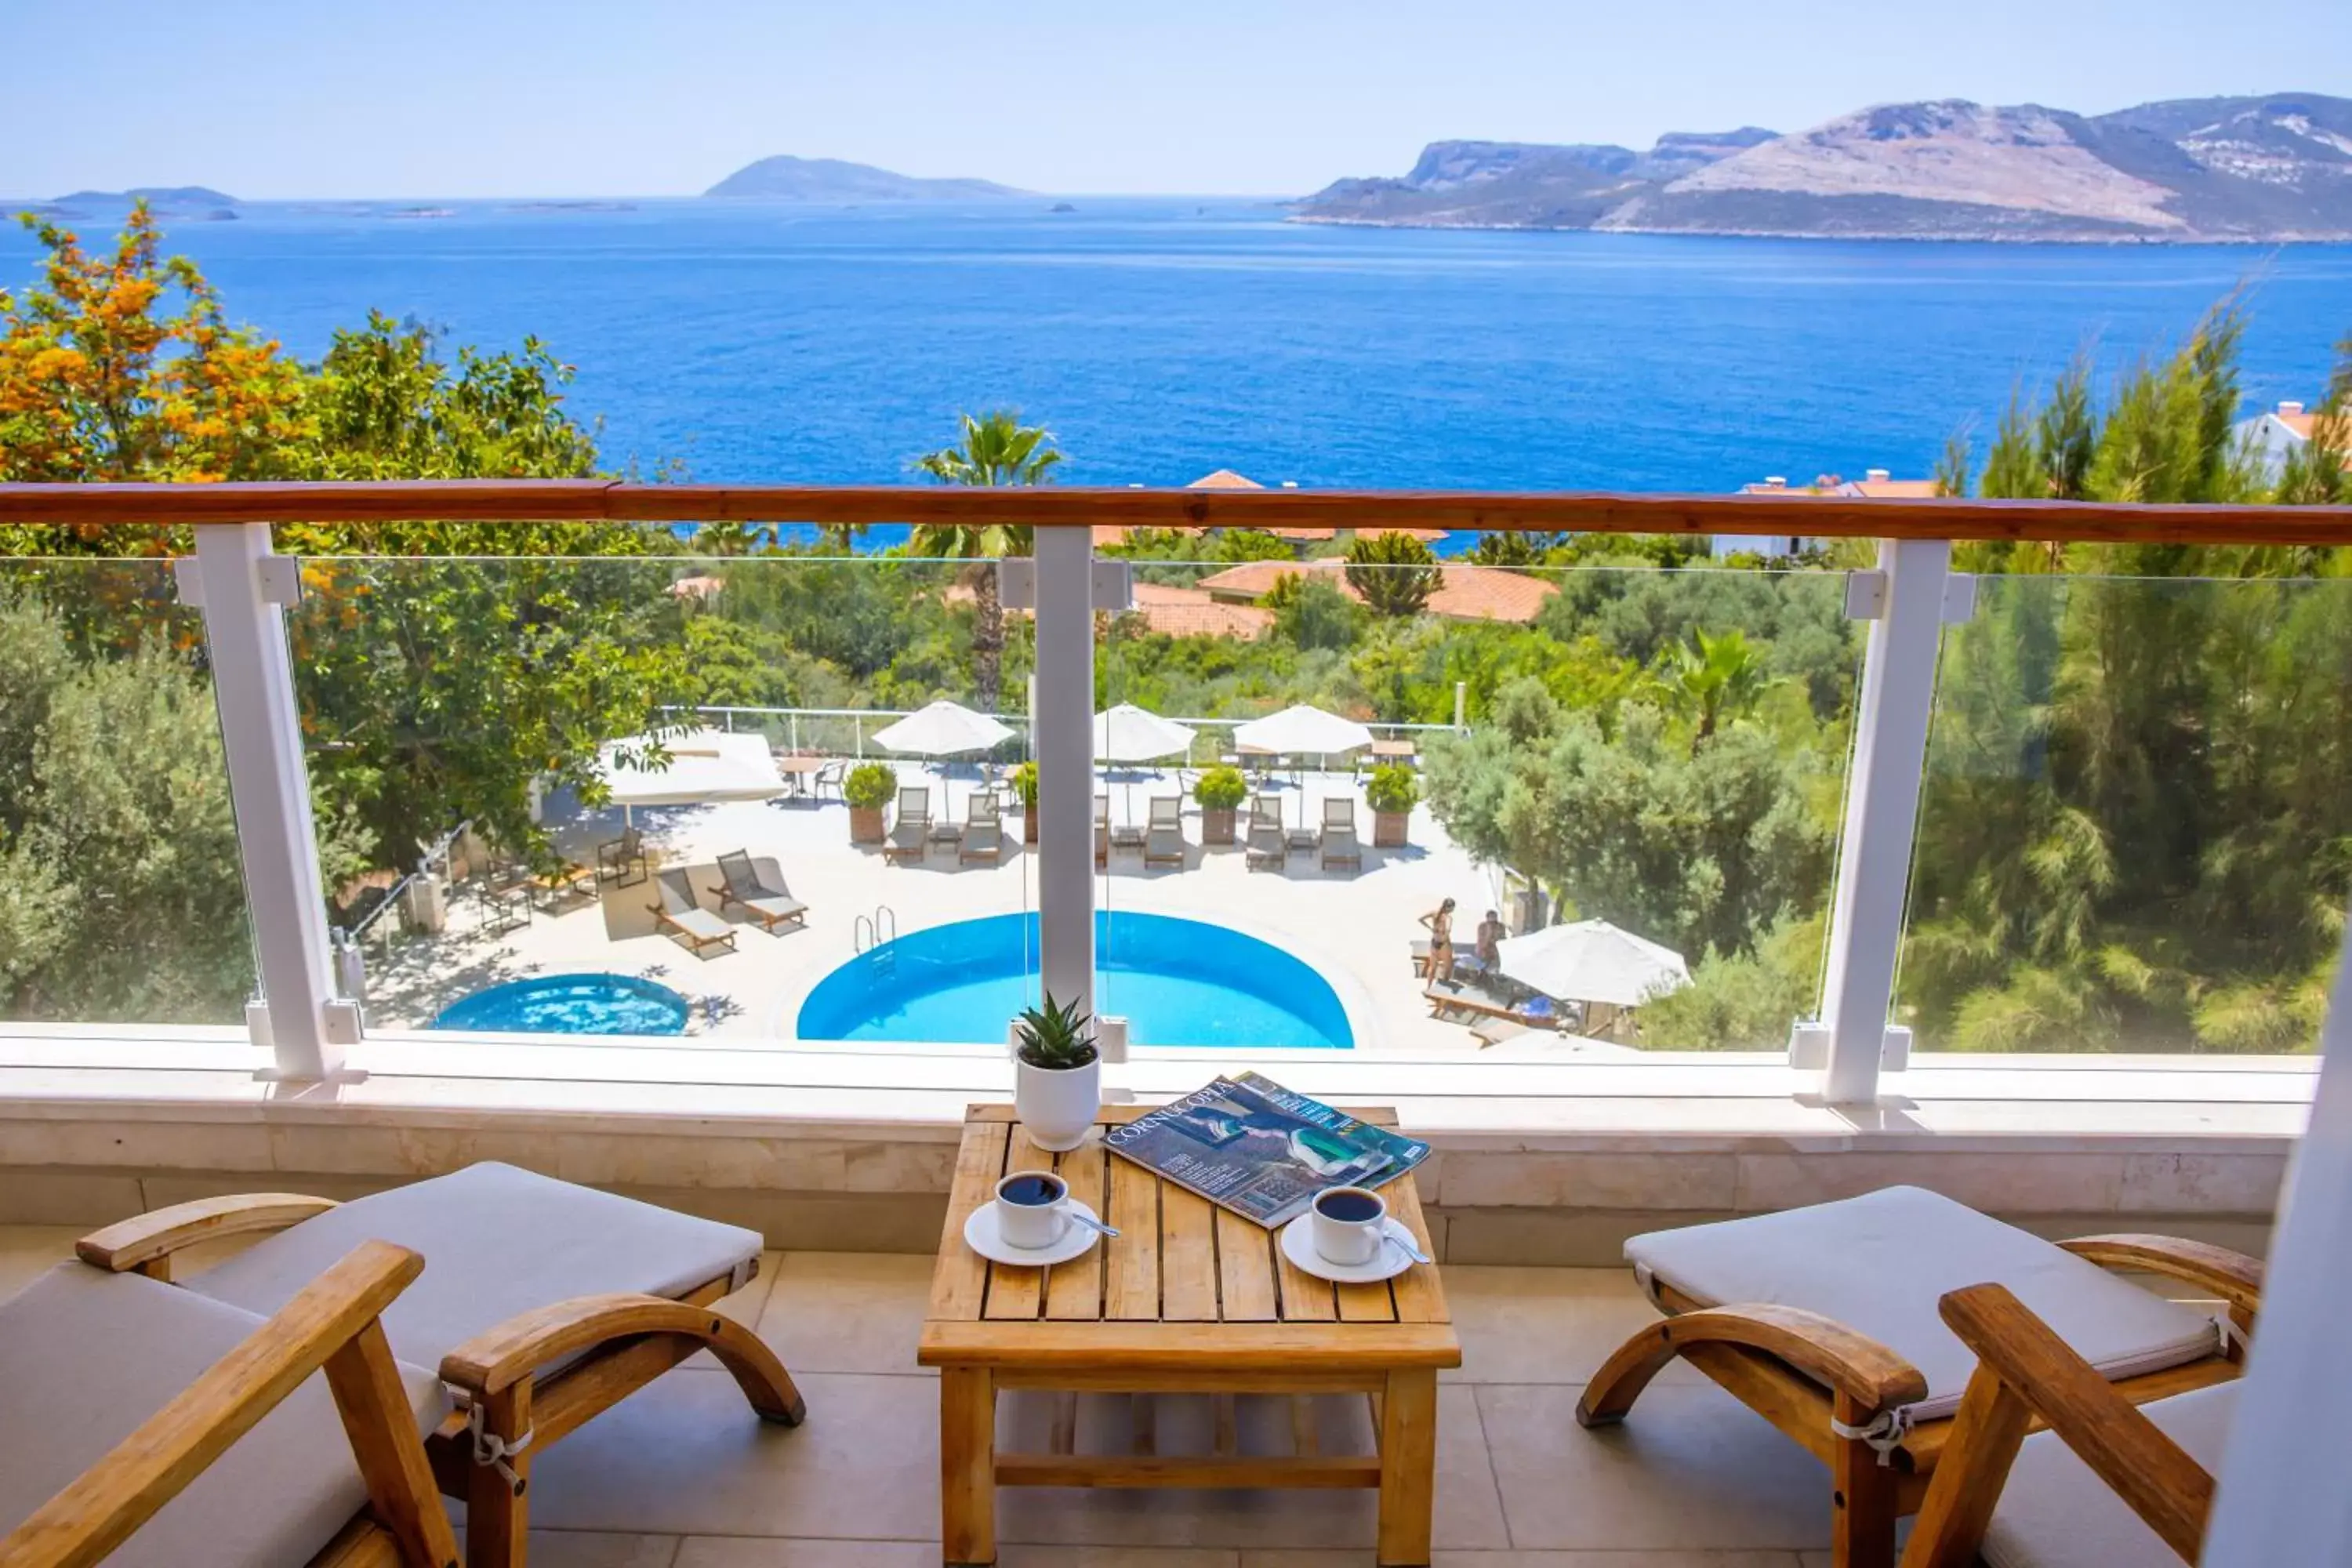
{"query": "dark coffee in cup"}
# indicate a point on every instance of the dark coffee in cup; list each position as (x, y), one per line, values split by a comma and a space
(1349, 1207)
(1033, 1190)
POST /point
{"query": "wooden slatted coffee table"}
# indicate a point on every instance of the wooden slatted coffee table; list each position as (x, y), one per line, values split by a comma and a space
(1189, 1299)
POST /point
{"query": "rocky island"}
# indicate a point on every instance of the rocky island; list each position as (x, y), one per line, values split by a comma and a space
(832, 182)
(2266, 169)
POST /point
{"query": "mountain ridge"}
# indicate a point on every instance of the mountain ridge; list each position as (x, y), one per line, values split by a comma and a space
(2259, 168)
(786, 178)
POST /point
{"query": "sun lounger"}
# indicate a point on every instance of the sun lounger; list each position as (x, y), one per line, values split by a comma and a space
(155, 1428)
(1263, 845)
(983, 831)
(618, 857)
(2108, 1485)
(1338, 845)
(545, 1304)
(677, 910)
(910, 836)
(770, 906)
(1163, 844)
(1848, 1331)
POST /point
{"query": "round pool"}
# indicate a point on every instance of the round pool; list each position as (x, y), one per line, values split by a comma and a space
(570, 1005)
(1176, 981)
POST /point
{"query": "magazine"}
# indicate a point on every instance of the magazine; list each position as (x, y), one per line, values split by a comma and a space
(1250, 1145)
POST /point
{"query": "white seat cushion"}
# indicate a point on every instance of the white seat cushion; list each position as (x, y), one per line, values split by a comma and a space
(86, 1356)
(497, 1241)
(1879, 1264)
(2054, 1514)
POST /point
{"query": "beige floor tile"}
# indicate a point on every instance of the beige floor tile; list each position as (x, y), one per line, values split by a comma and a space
(744, 1306)
(582, 1549)
(1737, 1559)
(847, 1311)
(28, 1251)
(685, 1456)
(1546, 1325)
(747, 1551)
(1691, 1467)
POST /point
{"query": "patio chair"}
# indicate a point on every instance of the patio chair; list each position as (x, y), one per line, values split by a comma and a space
(1337, 844)
(2108, 1485)
(982, 837)
(910, 836)
(542, 1305)
(1263, 847)
(829, 777)
(677, 910)
(1163, 842)
(149, 1428)
(742, 885)
(617, 857)
(1102, 832)
(1823, 1320)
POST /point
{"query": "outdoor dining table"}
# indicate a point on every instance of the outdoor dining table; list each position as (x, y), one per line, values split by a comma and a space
(799, 770)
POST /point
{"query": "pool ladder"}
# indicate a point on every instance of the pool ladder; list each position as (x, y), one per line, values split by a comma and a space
(868, 930)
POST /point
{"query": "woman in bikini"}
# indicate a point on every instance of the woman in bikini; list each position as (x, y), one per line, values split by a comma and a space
(1440, 921)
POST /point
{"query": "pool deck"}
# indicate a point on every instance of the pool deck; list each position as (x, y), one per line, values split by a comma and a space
(1356, 930)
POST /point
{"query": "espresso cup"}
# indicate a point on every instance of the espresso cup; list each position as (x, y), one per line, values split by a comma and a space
(1350, 1223)
(1031, 1209)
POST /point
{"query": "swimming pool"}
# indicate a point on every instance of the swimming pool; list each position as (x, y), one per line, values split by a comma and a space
(1177, 982)
(570, 1005)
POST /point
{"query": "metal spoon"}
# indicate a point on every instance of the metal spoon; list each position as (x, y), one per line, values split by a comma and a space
(1093, 1223)
(1407, 1247)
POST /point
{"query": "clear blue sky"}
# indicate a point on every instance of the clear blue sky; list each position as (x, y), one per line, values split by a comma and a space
(431, 98)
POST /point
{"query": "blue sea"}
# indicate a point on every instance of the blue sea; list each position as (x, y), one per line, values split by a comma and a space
(1160, 338)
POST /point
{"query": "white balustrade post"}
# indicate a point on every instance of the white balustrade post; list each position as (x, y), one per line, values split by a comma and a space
(1061, 723)
(244, 586)
(1882, 810)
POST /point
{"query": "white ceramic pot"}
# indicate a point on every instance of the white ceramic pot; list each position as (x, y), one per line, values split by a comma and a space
(1057, 1106)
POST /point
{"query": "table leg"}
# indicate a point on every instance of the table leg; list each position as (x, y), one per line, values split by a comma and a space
(967, 1467)
(1407, 1466)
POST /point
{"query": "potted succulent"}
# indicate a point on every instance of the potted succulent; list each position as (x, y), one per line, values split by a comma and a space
(1220, 791)
(867, 789)
(1024, 785)
(1057, 1087)
(1390, 791)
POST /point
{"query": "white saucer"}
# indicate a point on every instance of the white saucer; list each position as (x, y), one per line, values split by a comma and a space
(980, 1234)
(1298, 1245)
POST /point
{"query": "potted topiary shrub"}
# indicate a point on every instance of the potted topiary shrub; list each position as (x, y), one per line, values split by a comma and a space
(1390, 791)
(1220, 791)
(1024, 785)
(867, 789)
(1057, 1087)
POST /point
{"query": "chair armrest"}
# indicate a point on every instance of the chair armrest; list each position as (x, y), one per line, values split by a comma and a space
(1866, 1375)
(142, 1240)
(2171, 1492)
(330, 1324)
(2231, 1275)
(498, 1358)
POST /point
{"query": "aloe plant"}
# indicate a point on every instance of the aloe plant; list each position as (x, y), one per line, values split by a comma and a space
(1056, 1036)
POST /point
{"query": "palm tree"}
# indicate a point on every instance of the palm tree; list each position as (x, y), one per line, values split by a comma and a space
(996, 450)
(1719, 677)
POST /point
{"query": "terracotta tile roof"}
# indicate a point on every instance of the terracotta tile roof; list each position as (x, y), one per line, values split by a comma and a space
(1467, 593)
(1865, 488)
(1225, 479)
(697, 587)
(1191, 613)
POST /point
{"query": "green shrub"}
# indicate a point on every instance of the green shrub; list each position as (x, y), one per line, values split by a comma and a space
(1221, 789)
(1024, 785)
(1393, 787)
(869, 786)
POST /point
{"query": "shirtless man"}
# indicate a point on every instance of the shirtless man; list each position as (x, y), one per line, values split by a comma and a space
(1489, 943)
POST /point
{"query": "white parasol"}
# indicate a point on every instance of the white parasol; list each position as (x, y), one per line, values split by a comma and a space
(1300, 729)
(1131, 734)
(943, 730)
(1592, 961)
(705, 765)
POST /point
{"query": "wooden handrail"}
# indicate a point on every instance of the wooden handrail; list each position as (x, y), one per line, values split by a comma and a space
(551, 500)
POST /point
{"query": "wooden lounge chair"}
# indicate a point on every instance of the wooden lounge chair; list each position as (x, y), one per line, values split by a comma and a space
(153, 1428)
(1336, 845)
(2108, 1485)
(1264, 848)
(1102, 833)
(545, 1304)
(910, 836)
(770, 906)
(617, 857)
(676, 909)
(1823, 1320)
(982, 837)
(1164, 843)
